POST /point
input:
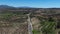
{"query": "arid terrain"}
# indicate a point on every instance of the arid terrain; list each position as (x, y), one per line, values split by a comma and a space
(13, 20)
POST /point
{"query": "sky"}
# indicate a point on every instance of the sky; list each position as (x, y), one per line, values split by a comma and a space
(32, 3)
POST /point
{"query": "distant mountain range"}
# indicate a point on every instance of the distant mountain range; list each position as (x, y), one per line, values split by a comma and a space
(29, 9)
(6, 6)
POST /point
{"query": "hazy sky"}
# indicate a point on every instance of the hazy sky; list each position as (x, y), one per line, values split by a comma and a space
(31, 3)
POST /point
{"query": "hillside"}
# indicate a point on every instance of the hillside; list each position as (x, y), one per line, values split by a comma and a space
(15, 18)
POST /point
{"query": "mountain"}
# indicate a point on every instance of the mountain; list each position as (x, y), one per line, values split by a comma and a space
(29, 9)
(6, 7)
(25, 7)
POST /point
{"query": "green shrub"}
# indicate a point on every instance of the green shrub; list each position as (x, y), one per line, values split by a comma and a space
(36, 32)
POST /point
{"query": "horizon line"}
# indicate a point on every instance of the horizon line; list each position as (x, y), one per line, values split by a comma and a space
(31, 6)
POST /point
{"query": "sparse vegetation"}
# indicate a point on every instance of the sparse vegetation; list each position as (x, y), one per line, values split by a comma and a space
(18, 16)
